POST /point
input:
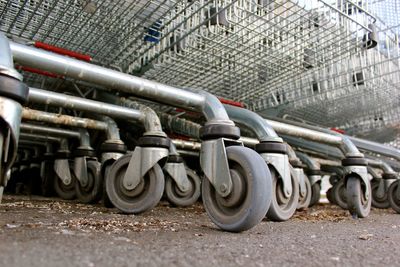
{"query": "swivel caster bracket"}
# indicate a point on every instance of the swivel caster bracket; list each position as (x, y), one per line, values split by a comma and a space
(298, 173)
(142, 160)
(361, 172)
(177, 171)
(214, 163)
(61, 167)
(281, 164)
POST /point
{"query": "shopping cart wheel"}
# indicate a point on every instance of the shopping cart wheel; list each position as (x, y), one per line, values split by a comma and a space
(329, 196)
(143, 197)
(304, 201)
(250, 197)
(380, 202)
(91, 191)
(48, 179)
(315, 194)
(65, 191)
(339, 194)
(105, 200)
(179, 198)
(282, 208)
(357, 204)
(393, 196)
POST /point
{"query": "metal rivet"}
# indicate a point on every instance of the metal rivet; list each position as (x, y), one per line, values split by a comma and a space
(223, 188)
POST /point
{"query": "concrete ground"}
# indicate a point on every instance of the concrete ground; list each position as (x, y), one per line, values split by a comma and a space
(51, 232)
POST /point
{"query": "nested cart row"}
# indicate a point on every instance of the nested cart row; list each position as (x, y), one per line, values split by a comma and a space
(94, 130)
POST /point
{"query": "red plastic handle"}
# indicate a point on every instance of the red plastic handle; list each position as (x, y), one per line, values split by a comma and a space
(63, 51)
(338, 130)
(41, 72)
(231, 102)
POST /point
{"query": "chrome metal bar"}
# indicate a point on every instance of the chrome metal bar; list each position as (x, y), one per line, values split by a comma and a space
(37, 115)
(261, 128)
(376, 148)
(312, 135)
(343, 141)
(119, 81)
(376, 163)
(150, 120)
(186, 145)
(40, 138)
(81, 136)
(328, 151)
(73, 102)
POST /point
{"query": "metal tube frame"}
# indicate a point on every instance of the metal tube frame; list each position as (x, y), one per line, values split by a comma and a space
(208, 104)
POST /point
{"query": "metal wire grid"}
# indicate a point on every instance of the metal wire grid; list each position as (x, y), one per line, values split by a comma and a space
(107, 30)
(342, 91)
(377, 125)
(388, 11)
(239, 49)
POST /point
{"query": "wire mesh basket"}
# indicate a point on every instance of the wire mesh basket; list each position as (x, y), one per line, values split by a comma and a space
(106, 30)
(359, 88)
(240, 49)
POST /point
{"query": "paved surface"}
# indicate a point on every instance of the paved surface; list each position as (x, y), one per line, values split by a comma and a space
(50, 232)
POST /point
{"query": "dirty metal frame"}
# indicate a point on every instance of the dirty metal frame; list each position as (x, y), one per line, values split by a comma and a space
(297, 171)
(378, 163)
(61, 165)
(48, 143)
(108, 126)
(145, 157)
(176, 170)
(10, 109)
(209, 105)
(265, 134)
(325, 136)
(311, 165)
(33, 146)
(80, 162)
(384, 183)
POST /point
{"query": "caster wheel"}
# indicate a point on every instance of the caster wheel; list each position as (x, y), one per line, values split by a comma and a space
(140, 199)
(104, 197)
(304, 201)
(48, 179)
(380, 202)
(250, 197)
(356, 202)
(315, 194)
(179, 198)
(339, 194)
(282, 208)
(393, 197)
(329, 196)
(65, 191)
(91, 192)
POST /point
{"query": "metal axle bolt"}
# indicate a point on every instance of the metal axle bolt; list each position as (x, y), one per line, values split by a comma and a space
(223, 188)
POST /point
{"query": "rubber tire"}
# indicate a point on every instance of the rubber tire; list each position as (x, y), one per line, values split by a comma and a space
(92, 192)
(357, 207)
(280, 212)
(48, 179)
(393, 198)
(376, 202)
(178, 198)
(304, 202)
(146, 200)
(339, 194)
(329, 196)
(105, 200)
(66, 192)
(315, 194)
(255, 199)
